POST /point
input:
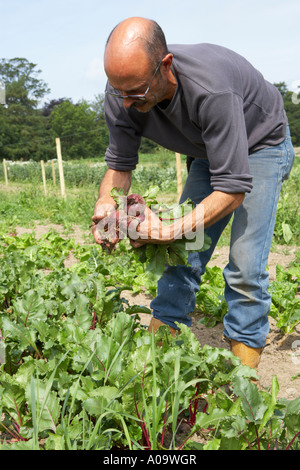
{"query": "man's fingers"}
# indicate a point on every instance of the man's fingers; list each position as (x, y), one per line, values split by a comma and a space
(96, 234)
(96, 219)
(137, 244)
(102, 210)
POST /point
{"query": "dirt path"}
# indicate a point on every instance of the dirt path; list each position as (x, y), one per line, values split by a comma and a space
(282, 361)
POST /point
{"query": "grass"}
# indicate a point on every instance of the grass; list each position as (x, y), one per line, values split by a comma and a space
(28, 204)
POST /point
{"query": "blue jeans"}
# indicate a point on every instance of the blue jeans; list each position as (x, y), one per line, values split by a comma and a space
(246, 278)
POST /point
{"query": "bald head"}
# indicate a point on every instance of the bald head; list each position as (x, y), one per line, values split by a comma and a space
(136, 57)
(136, 35)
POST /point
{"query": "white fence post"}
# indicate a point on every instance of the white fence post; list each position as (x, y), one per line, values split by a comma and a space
(44, 177)
(60, 168)
(5, 172)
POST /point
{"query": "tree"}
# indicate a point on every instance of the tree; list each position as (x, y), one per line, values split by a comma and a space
(23, 132)
(103, 135)
(292, 108)
(80, 130)
(282, 87)
(48, 107)
(22, 71)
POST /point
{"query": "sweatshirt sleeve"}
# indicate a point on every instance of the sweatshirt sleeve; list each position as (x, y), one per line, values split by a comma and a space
(225, 137)
(124, 138)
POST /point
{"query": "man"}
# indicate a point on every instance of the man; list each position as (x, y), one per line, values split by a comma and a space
(208, 103)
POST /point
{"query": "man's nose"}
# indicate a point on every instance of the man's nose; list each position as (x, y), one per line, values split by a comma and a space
(128, 102)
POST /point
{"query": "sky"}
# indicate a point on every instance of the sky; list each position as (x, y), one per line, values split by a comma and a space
(66, 38)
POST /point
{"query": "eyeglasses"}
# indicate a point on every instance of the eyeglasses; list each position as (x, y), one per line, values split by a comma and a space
(136, 97)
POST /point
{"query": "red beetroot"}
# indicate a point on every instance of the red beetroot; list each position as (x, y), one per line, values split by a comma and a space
(115, 226)
(135, 210)
(135, 205)
(135, 199)
(141, 218)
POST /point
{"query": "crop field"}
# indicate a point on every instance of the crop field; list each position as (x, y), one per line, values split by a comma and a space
(78, 368)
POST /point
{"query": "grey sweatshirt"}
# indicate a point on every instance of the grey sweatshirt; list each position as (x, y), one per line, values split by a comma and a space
(223, 110)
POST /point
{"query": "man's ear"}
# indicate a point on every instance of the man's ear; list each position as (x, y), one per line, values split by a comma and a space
(167, 61)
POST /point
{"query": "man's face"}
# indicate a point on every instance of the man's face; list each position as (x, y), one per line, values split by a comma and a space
(137, 77)
(154, 96)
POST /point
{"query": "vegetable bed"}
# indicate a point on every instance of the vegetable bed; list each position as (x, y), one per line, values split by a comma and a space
(80, 371)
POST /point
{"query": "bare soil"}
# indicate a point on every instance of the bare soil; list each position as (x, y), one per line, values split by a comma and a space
(282, 360)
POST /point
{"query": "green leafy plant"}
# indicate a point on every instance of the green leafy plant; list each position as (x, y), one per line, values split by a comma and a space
(256, 420)
(210, 300)
(285, 308)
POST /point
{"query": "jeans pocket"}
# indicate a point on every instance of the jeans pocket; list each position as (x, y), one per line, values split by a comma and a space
(290, 158)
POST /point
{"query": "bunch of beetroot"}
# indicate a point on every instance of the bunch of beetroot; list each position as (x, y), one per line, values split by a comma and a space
(115, 226)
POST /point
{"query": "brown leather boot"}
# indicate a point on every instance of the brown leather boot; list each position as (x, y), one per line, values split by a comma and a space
(155, 324)
(249, 356)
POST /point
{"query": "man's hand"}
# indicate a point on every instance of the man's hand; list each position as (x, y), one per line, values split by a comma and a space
(104, 206)
(151, 230)
(213, 208)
